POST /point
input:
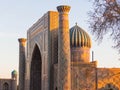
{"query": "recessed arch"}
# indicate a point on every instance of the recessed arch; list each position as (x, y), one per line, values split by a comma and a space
(5, 86)
(36, 69)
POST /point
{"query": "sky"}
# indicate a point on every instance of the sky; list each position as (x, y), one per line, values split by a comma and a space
(17, 16)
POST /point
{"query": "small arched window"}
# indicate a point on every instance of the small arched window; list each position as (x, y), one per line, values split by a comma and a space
(111, 89)
(5, 86)
(56, 88)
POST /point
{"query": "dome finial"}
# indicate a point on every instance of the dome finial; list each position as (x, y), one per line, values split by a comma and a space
(76, 23)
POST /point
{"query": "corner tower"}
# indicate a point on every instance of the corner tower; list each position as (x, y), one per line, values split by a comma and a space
(22, 43)
(64, 77)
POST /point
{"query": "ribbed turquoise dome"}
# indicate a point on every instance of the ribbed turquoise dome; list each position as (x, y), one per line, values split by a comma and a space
(79, 38)
(14, 72)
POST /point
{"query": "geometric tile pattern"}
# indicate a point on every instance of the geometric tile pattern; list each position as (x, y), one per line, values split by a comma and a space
(108, 78)
(64, 79)
(22, 42)
(38, 35)
(83, 76)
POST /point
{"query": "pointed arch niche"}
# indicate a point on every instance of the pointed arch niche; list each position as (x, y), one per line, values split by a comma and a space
(5, 86)
(36, 69)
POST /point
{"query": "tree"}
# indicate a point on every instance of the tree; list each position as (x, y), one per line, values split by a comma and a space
(105, 19)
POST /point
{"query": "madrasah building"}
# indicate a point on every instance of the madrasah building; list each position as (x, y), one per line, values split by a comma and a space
(56, 57)
(9, 83)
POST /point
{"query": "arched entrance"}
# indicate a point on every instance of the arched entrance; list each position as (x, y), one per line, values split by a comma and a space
(36, 70)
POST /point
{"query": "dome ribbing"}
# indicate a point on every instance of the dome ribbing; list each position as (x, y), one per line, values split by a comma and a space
(79, 38)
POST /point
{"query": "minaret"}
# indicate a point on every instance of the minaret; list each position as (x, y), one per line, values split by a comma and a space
(22, 43)
(64, 77)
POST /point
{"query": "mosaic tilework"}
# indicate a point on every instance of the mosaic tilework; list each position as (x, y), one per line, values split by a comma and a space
(38, 35)
(83, 76)
(22, 43)
(64, 77)
(108, 78)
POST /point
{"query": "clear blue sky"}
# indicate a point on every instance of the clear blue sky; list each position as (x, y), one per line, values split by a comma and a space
(16, 16)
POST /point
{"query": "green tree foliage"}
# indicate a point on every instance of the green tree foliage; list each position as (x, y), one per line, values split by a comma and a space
(105, 19)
